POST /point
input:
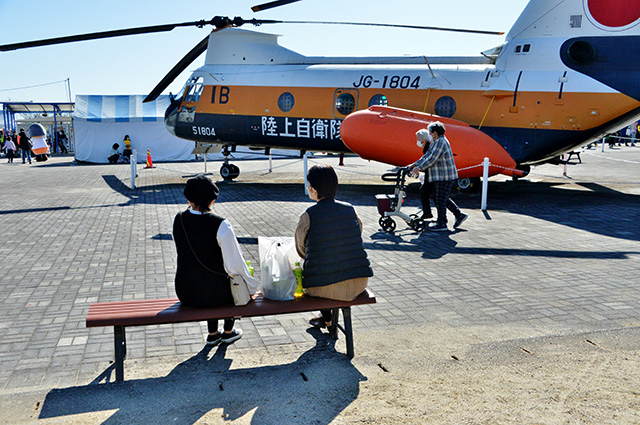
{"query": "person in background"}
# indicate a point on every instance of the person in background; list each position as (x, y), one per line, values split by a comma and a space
(62, 139)
(114, 155)
(126, 153)
(25, 146)
(438, 160)
(10, 148)
(329, 238)
(208, 252)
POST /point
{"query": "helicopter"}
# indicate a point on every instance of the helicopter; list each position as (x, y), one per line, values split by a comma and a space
(561, 79)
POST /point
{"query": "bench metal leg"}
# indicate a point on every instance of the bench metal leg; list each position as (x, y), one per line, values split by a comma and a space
(348, 332)
(335, 317)
(120, 350)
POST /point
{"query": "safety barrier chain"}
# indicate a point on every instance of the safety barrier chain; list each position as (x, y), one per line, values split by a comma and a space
(573, 180)
(469, 168)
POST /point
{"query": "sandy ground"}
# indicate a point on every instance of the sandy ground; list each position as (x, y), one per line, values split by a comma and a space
(412, 376)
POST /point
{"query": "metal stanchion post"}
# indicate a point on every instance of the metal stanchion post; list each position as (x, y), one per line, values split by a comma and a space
(271, 163)
(306, 167)
(485, 183)
(133, 159)
(566, 159)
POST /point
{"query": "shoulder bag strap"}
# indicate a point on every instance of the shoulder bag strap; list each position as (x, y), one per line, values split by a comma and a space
(194, 253)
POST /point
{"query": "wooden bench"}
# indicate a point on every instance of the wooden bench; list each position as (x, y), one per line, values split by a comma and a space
(163, 311)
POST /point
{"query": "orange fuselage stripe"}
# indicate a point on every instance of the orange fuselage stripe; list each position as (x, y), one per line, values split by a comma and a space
(575, 111)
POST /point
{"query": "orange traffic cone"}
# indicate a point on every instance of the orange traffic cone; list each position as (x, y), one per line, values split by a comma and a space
(149, 162)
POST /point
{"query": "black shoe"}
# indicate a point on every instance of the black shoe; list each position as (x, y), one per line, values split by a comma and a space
(438, 228)
(318, 322)
(214, 339)
(426, 215)
(229, 338)
(461, 218)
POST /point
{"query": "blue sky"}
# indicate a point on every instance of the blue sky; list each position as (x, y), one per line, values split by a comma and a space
(135, 64)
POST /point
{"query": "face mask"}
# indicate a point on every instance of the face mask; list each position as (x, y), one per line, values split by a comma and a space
(420, 143)
(430, 138)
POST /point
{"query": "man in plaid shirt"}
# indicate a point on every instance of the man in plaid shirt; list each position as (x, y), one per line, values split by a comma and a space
(438, 160)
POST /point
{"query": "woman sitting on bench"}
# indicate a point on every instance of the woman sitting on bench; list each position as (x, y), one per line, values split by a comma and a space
(208, 252)
(329, 238)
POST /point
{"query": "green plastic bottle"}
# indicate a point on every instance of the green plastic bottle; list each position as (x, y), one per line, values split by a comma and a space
(250, 268)
(297, 271)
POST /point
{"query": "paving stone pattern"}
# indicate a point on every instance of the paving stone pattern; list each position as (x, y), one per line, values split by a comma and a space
(552, 253)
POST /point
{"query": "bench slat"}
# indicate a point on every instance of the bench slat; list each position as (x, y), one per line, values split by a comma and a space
(169, 310)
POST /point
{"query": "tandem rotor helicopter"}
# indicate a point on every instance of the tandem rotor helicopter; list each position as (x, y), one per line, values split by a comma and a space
(565, 76)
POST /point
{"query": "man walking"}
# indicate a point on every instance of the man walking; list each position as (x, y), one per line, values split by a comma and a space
(438, 162)
(25, 146)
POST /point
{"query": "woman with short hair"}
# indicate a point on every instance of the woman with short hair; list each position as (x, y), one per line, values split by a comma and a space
(328, 237)
(208, 252)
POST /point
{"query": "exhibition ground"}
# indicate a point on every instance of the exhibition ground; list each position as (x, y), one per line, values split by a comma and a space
(529, 313)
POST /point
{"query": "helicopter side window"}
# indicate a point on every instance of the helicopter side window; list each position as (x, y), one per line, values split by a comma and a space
(194, 90)
(378, 100)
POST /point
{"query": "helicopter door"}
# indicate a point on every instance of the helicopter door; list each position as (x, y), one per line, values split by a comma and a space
(345, 101)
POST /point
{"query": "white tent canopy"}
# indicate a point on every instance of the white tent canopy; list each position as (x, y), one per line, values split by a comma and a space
(101, 121)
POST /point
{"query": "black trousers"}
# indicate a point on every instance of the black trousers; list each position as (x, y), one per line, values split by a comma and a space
(443, 202)
(212, 325)
(427, 191)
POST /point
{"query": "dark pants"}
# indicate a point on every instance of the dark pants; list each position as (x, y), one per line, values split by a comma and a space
(442, 200)
(26, 155)
(212, 325)
(427, 191)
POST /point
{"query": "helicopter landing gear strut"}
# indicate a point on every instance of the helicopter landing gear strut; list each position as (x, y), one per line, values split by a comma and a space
(228, 171)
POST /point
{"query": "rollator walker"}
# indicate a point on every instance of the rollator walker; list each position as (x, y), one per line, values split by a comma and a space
(389, 205)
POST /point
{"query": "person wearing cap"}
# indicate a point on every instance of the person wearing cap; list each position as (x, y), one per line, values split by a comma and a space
(208, 252)
(438, 160)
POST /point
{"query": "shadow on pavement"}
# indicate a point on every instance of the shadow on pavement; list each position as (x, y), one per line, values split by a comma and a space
(436, 245)
(315, 388)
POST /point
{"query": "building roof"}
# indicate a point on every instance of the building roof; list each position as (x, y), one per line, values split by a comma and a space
(39, 107)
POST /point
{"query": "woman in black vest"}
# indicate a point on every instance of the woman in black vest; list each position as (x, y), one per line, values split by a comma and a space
(328, 237)
(208, 252)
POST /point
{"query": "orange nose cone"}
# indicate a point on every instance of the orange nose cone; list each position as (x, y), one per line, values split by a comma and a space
(388, 135)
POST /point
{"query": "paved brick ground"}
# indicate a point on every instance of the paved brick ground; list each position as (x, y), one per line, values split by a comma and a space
(553, 253)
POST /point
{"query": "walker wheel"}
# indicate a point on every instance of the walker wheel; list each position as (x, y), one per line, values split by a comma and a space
(418, 224)
(387, 224)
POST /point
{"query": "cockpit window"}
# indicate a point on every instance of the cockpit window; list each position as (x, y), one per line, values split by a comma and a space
(194, 89)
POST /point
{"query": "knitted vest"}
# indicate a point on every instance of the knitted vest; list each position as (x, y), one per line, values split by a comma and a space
(334, 251)
(195, 285)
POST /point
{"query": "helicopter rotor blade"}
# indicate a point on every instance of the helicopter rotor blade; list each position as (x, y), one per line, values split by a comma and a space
(416, 27)
(271, 5)
(103, 34)
(177, 69)
(219, 22)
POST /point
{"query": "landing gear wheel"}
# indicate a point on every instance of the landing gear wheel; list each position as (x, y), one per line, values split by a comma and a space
(229, 171)
(387, 224)
(417, 224)
(235, 171)
(468, 184)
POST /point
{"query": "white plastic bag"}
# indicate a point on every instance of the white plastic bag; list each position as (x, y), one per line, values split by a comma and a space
(277, 257)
